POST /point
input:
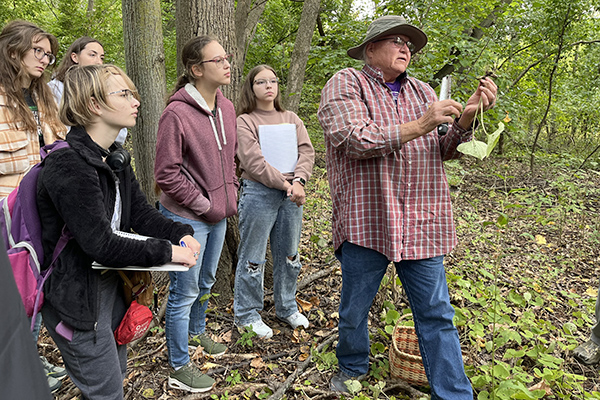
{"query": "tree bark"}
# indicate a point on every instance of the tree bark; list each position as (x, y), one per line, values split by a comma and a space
(247, 15)
(209, 17)
(308, 20)
(216, 18)
(90, 8)
(145, 61)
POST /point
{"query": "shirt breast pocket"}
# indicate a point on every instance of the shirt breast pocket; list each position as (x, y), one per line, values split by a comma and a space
(13, 152)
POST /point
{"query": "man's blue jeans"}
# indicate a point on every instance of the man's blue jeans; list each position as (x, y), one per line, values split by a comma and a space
(425, 284)
(266, 212)
(185, 315)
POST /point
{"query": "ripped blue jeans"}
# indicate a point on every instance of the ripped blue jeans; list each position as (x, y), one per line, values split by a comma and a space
(266, 213)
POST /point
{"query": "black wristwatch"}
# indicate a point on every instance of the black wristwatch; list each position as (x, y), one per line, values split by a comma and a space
(301, 180)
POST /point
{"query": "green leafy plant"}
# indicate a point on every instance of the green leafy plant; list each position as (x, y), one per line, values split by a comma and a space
(324, 360)
(234, 377)
(245, 339)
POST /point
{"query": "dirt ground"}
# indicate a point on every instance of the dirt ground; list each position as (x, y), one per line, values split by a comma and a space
(282, 362)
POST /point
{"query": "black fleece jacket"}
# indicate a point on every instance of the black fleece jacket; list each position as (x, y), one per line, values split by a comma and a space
(77, 188)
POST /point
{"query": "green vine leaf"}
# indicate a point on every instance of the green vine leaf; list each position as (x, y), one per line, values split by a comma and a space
(492, 140)
(473, 148)
(479, 149)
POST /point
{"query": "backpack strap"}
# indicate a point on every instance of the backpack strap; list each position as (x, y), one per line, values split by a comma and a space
(60, 246)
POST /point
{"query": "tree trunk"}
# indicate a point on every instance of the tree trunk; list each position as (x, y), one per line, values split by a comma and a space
(90, 8)
(210, 17)
(215, 18)
(247, 15)
(476, 33)
(308, 20)
(145, 60)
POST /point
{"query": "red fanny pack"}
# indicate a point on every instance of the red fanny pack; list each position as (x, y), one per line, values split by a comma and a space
(134, 324)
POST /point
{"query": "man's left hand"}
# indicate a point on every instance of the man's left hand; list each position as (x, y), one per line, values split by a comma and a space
(485, 96)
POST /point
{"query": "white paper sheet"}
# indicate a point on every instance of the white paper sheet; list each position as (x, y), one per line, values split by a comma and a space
(279, 145)
(166, 267)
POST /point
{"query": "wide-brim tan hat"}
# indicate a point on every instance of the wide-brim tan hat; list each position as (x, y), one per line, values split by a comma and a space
(390, 25)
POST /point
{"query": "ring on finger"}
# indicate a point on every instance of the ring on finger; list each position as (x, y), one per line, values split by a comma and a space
(196, 254)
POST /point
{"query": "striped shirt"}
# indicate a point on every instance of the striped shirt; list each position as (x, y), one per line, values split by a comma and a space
(387, 196)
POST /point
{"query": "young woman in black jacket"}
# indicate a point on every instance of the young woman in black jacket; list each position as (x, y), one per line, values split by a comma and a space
(77, 188)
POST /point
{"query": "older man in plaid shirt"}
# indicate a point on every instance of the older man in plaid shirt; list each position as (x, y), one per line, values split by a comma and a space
(390, 197)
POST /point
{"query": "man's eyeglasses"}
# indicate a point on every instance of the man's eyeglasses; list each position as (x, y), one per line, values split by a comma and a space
(125, 93)
(399, 42)
(219, 61)
(261, 82)
(39, 53)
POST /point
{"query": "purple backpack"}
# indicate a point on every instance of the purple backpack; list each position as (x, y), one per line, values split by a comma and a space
(22, 232)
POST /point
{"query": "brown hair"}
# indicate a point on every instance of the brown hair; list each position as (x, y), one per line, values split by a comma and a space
(67, 62)
(82, 83)
(247, 102)
(15, 41)
(192, 54)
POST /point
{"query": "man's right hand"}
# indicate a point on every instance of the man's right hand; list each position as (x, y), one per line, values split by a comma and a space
(438, 113)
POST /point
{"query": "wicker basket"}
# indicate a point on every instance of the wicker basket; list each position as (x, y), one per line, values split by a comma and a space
(405, 358)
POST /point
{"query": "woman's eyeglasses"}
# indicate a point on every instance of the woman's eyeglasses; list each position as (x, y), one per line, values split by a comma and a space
(39, 53)
(219, 61)
(261, 82)
(125, 93)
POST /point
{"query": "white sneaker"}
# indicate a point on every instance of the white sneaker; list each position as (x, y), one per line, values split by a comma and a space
(261, 329)
(296, 319)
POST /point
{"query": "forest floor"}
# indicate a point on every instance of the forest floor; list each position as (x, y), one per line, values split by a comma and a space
(523, 280)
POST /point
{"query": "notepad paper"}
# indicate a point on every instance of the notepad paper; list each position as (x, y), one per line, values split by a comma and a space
(279, 145)
(165, 267)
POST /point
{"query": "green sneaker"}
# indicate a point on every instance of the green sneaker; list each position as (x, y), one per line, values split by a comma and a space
(190, 378)
(209, 346)
(588, 353)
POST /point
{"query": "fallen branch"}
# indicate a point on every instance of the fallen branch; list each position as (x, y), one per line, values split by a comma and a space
(316, 394)
(312, 277)
(240, 388)
(243, 364)
(400, 384)
(71, 391)
(148, 354)
(288, 382)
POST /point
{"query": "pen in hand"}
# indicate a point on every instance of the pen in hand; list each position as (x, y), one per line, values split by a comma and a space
(182, 244)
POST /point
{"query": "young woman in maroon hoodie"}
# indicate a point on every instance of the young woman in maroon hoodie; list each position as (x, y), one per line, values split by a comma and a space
(195, 169)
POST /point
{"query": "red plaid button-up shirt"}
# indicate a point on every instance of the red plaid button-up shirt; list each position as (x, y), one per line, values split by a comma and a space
(387, 196)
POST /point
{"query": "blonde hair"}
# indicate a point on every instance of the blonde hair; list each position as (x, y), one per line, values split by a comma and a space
(82, 83)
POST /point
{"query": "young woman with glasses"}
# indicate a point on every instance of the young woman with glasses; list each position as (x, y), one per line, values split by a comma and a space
(270, 201)
(195, 169)
(83, 51)
(28, 113)
(80, 189)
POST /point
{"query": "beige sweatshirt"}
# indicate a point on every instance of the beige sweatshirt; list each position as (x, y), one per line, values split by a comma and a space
(252, 162)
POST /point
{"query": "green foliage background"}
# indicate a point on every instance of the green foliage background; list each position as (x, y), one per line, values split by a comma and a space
(520, 47)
